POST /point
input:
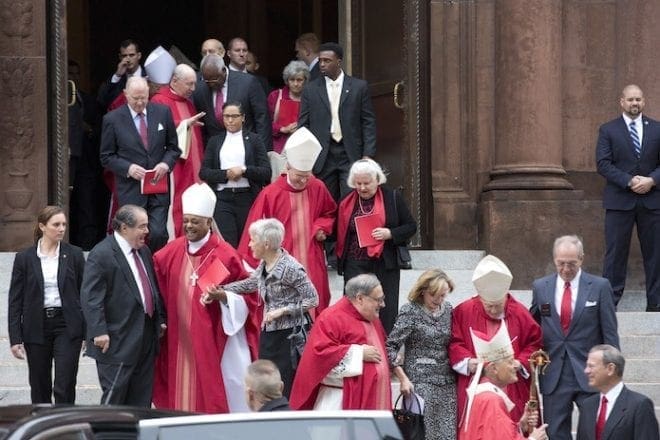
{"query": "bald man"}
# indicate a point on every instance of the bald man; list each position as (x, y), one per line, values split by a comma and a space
(212, 46)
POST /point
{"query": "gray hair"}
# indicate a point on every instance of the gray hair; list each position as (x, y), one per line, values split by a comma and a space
(569, 239)
(366, 166)
(268, 230)
(263, 377)
(295, 68)
(361, 284)
(126, 215)
(611, 355)
(212, 60)
(136, 81)
(182, 70)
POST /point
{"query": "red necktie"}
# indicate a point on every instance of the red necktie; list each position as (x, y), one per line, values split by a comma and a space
(219, 102)
(146, 286)
(566, 307)
(143, 130)
(600, 422)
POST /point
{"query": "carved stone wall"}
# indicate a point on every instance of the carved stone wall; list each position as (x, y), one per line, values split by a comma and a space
(23, 119)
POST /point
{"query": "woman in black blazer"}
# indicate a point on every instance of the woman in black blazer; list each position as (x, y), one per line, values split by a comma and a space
(388, 224)
(45, 318)
(236, 167)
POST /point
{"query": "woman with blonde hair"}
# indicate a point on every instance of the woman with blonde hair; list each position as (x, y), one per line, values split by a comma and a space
(423, 326)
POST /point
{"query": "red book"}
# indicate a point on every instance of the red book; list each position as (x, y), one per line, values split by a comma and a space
(288, 112)
(364, 226)
(215, 274)
(149, 185)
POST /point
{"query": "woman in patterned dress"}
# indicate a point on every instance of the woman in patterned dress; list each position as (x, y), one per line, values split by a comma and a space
(423, 326)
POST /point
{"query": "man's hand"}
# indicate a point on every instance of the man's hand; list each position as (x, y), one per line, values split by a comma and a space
(641, 184)
(529, 419)
(18, 351)
(289, 128)
(122, 66)
(163, 327)
(136, 171)
(472, 365)
(161, 169)
(539, 433)
(320, 235)
(195, 120)
(370, 353)
(103, 342)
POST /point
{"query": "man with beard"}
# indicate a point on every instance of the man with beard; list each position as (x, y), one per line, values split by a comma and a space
(202, 337)
(628, 156)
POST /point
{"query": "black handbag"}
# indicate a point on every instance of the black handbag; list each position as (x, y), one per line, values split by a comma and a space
(298, 338)
(410, 424)
(403, 257)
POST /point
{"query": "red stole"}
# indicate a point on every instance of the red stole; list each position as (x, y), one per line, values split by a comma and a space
(346, 207)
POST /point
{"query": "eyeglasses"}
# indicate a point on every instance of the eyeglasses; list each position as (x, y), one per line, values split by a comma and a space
(379, 300)
(212, 81)
(567, 264)
(231, 116)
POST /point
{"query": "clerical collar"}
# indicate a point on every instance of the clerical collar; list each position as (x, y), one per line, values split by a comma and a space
(194, 246)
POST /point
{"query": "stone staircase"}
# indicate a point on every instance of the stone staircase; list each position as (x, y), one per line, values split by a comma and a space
(640, 331)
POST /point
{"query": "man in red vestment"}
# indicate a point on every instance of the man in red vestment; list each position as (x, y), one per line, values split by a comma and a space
(486, 313)
(186, 170)
(344, 365)
(207, 348)
(489, 406)
(305, 207)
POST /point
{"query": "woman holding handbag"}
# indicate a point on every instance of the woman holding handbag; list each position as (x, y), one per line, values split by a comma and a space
(424, 327)
(372, 222)
(283, 284)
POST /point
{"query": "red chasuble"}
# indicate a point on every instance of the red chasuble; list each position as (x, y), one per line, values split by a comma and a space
(186, 171)
(334, 331)
(490, 419)
(188, 375)
(303, 213)
(525, 335)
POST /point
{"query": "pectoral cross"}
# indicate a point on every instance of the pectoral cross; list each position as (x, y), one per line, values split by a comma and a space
(193, 279)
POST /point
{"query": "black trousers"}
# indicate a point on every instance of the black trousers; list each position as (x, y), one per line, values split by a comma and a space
(65, 352)
(389, 280)
(231, 211)
(157, 214)
(618, 231)
(335, 171)
(124, 384)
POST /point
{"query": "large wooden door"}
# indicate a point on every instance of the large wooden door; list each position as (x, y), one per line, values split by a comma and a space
(386, 49)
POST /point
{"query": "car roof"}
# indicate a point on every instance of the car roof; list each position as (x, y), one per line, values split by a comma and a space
(275, 415)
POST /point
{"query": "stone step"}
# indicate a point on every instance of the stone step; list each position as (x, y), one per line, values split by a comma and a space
(639, 346)
(639, 323)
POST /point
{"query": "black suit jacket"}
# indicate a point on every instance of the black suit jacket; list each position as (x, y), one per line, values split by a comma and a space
(26, 294)
(241, 87)
(256, 162)
(112, 304)
(122, 146)
(315, 72)
(356, 116)
(632, 417)
(616, 161)
(109, 91)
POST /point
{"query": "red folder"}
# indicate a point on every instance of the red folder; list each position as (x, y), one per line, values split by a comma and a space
(364, 225)
(149, 185)
(288, 112)
(215, 274)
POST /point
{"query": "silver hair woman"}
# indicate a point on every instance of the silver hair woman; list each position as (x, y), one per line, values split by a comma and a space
(284, 103)
(287, 292)
(385, 223)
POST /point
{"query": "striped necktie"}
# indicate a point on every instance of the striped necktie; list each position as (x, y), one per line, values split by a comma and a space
(635, 139)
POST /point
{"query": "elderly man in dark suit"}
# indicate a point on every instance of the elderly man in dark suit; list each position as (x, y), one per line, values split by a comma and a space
(576, 312)
(628, 156)
(616, 413)
(123, 310)
(337, 109)
(136, 138)
(218, 86)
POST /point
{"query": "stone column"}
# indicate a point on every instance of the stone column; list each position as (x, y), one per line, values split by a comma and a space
(528, 124)
(23, 119)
